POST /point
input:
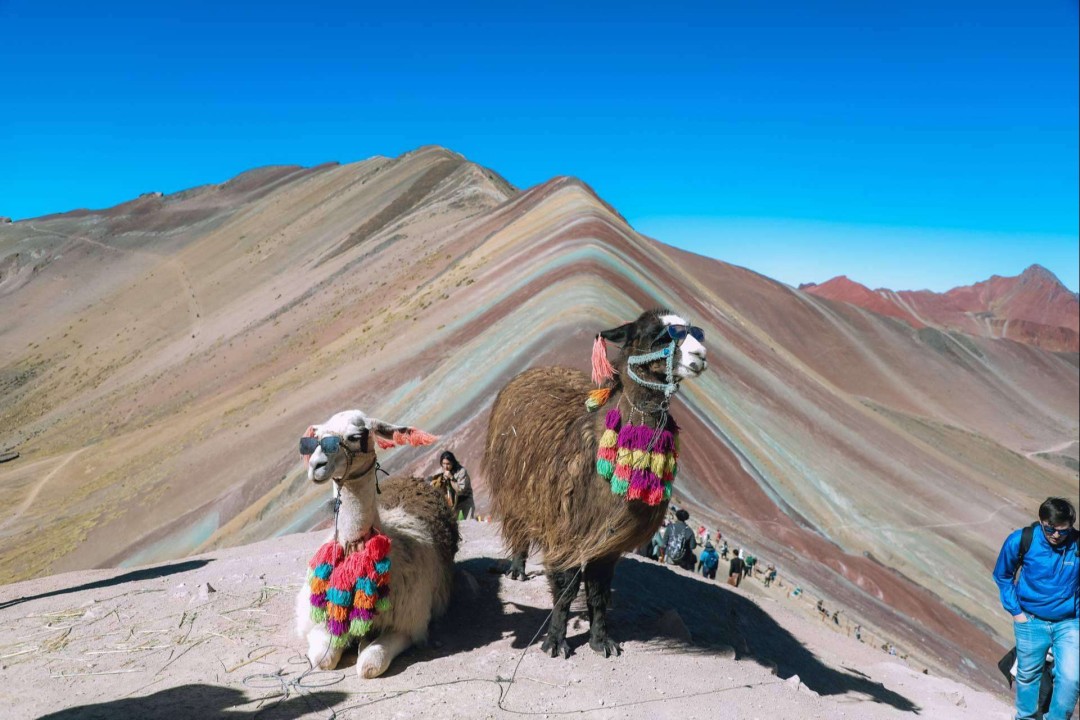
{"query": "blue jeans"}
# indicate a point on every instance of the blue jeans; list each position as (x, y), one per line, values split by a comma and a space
(1033, 639)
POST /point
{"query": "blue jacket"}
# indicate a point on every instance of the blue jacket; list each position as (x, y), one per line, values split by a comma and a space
(1049, 583)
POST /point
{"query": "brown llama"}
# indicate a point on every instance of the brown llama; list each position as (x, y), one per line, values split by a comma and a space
(586, 485)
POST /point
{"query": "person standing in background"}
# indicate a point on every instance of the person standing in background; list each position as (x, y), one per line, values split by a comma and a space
(735, 569)
(454, 480)
(1040, 587)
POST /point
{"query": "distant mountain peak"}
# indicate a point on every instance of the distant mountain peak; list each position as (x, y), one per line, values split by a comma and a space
(1033, 308)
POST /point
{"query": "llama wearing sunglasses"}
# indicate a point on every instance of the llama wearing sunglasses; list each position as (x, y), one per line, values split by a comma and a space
(586, 476)
(399, 529)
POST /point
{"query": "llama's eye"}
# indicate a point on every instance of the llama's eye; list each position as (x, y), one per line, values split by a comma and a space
(355, 438)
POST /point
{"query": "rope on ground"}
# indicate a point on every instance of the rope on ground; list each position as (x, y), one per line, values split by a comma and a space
(301, 685)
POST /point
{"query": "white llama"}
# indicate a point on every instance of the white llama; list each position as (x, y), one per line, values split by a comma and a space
(348, 597)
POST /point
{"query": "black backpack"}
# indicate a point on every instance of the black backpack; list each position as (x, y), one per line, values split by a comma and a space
(678, 544)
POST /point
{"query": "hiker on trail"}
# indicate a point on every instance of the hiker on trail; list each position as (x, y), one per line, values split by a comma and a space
(750, 561)
(770, 574)
(736, 569)
(836, 617)
(656, 545)
(1043, 601)
(709, 561)
(679, 542)
(724, 550)
(858, 633)
(456, 484)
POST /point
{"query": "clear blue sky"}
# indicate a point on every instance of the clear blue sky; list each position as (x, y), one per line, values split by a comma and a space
(909, 145)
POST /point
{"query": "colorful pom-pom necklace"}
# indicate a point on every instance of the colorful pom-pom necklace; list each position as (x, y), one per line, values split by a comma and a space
(349, 589)
(639, 461)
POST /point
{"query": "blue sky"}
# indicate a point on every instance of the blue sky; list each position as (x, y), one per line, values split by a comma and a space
(906, 145)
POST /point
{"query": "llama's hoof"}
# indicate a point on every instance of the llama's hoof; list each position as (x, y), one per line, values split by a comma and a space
(555, 647)
(322, 660)
(372, 663)
(605, 646)
(516, 571)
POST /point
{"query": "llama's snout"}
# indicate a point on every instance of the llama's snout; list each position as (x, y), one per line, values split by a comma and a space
(693, 362)
(318, 470)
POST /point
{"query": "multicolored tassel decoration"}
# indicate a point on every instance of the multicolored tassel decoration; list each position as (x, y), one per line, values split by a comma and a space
(634, 469)
(347, 592)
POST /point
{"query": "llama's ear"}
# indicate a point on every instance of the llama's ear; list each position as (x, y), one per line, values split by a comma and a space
(389, 435)
(620, 335)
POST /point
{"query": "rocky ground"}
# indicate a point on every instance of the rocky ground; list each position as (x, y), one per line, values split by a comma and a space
(211, 636)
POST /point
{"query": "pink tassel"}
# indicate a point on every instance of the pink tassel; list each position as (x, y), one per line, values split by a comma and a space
(384, 444)
(310, 432)
(602, 371)
(414, 437)
(419, 437)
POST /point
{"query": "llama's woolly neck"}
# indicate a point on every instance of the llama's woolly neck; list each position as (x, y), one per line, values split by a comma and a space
(643, 404)
(359, 511)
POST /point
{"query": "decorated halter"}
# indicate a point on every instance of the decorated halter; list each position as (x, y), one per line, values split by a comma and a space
(671, 384)
(639, 460)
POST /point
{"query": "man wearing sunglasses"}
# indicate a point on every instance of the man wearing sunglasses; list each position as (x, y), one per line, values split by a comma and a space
(1043, 600)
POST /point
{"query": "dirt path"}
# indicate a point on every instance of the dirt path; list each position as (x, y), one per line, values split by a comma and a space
(1053, 449)
(29, 500)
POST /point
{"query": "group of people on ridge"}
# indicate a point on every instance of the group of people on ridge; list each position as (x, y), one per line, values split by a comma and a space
(675, 542)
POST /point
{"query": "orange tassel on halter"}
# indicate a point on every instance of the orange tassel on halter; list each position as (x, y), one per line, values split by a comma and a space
(602, 371)
(597, 399)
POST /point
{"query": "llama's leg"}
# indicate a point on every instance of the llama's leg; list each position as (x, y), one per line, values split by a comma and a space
(517, 564)
(598, 575)
(378, 655)
(321, 653)
(564, 588)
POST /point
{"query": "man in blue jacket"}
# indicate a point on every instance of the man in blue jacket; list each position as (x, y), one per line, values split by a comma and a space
(1044, 601)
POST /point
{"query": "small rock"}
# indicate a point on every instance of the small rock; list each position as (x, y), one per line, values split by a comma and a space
(205, 591)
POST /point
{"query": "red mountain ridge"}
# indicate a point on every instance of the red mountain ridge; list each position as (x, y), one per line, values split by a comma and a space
(1033, 308)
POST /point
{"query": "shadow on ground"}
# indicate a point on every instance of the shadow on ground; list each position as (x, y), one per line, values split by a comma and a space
(134, 576)
(718, 620)
(197, 702)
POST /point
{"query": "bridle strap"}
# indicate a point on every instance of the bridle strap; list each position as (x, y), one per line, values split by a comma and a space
(337, 482)
(669, 387)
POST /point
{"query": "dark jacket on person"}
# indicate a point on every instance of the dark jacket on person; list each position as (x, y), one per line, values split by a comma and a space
(678, 534)
(737, 566)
